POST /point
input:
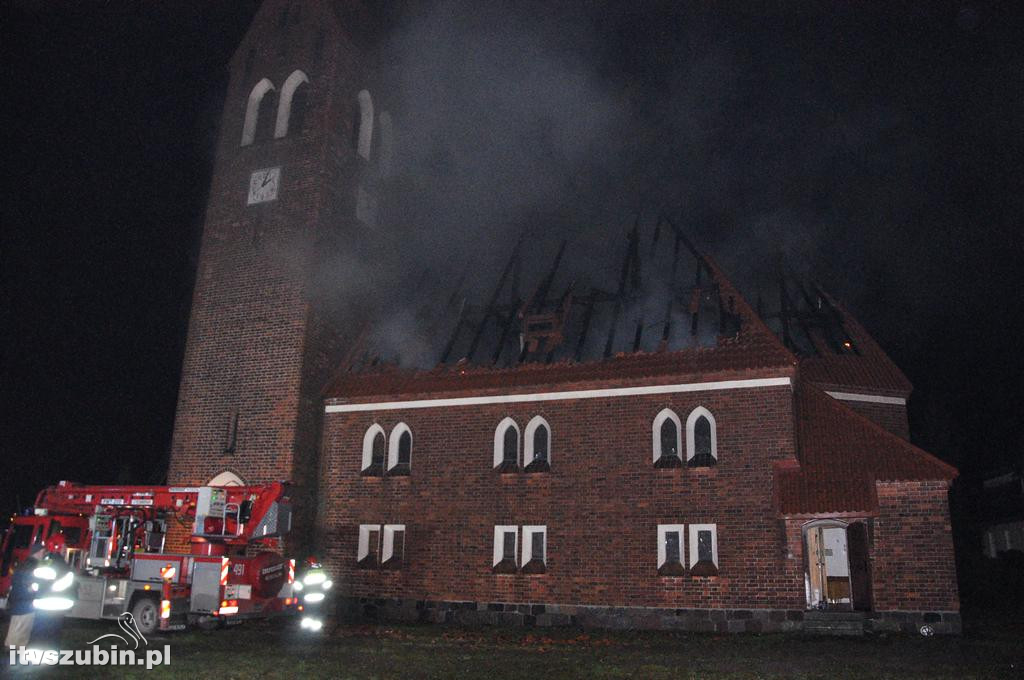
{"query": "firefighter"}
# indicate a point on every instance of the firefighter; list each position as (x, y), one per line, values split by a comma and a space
(19, 602)
(54, 594)
(312, 587)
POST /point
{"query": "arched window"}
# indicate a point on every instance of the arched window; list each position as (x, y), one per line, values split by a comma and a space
(291, 108)
(400, 450)
(267, 117)
(364, 124)
(667, 440)
(537, 446)
(701, 438)
(506, 446)
(253, 110)
(374, 446)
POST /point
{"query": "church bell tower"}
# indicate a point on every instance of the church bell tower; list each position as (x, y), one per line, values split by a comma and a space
(287, 190)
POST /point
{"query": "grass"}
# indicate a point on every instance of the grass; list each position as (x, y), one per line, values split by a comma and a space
(260, 650)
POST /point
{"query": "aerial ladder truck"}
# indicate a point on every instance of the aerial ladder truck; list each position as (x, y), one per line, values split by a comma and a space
(115, 539)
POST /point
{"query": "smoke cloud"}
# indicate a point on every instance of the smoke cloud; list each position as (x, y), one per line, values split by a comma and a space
(576, 122)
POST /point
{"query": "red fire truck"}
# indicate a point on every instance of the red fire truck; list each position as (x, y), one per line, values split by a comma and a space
(115, 537)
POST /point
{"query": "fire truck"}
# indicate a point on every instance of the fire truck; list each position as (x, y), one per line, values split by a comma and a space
(115, 537)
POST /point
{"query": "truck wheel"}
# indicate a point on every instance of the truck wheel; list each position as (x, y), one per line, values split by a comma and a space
(146, 614)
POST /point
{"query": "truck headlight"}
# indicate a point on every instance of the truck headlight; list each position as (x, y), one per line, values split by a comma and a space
(63, 582)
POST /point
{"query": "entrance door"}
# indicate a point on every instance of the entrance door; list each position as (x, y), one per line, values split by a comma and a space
(828, 567)
(860, 566)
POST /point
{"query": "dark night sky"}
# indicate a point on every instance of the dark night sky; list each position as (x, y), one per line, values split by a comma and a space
(905, 126)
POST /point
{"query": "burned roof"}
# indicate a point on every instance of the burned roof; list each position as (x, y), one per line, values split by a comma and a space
(666, 309)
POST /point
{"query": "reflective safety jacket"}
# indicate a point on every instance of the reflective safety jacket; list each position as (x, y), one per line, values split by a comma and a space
(53, 585)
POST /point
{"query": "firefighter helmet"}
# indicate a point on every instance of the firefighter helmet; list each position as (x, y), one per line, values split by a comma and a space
(312, 562)
(55, 544)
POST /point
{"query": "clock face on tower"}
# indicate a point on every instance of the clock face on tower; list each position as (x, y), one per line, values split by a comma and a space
(263, 185)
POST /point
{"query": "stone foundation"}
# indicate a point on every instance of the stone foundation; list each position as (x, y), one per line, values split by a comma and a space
(647, 618)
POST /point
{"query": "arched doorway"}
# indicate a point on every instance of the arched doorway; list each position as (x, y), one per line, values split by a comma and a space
(226, 478)
(827, 575)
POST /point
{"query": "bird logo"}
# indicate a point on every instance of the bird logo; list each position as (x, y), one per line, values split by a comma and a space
(126, 622)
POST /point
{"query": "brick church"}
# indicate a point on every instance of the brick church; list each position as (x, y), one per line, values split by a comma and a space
(652, 451)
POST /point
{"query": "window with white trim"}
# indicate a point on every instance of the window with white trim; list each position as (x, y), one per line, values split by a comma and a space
(670, 550)
(392, 554)
(701, 438)
(400, 450)
(258, 106)
(506, 556)
(535, 549)
(537, 446)
(369, 546)
(506, 446)
(703, 550)
(667, 440)
(374, 446)
(292, 101)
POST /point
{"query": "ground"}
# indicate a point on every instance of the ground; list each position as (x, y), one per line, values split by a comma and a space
(987, 650)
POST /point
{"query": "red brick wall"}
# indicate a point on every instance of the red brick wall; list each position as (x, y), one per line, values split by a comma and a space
(913, 567)
(892, 417)
(601, 501)
(261, 342)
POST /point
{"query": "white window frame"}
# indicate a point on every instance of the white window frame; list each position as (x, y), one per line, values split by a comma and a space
(664, 529)
(396, 435)
(691, 422)
(368, 438)
(365, 141)
(252, 110)
(694, 528)
(284, 104)
(499, 440)
(527, 551)
(531, 428)
(364, 540)
(499, 534)
(387, 549)
(663, 415)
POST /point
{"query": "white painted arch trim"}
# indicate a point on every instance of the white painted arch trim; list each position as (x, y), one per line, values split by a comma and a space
(499, 440)
(531, 428)
(527, 551)
(364, 539)
(559, 396)
(393, 440)
(284, 106)
(365, 140)
(664, 529)
(694, 529)
(870, 398)
(371, 434)
(659, 420)
(226, 478)
(691, 422)
(388, 547)
(499, 534)
(252, 110)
